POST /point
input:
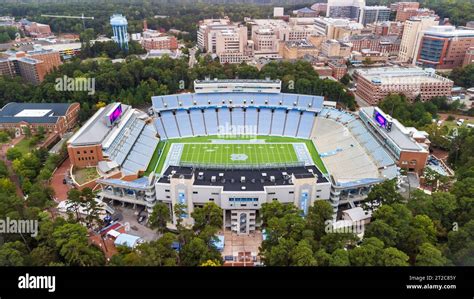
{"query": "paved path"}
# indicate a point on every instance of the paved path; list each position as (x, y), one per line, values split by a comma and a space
(60, 189)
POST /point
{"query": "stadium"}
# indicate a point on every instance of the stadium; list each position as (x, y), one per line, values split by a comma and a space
(242, 143)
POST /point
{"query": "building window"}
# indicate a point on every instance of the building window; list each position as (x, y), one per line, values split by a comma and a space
(167, 190)
(195, 192)
(211, 199)
(291, 192)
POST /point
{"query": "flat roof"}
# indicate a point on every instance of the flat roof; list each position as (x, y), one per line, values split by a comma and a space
(255, 179)
(33, 112)
(399, 134)
(95, 130)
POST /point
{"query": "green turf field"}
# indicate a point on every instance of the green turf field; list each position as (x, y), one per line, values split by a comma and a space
(270, 153)
(235, 154)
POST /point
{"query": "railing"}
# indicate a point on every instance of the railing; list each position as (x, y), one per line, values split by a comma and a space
(242, 166)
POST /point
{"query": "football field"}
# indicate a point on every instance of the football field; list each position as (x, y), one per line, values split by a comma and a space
(238, 154)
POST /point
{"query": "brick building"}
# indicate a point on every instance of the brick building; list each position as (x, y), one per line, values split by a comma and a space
(375, 84)
(55, 118)
(444, 47)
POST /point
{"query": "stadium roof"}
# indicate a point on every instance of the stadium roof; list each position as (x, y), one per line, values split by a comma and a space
(33, 112)
(399, 134)
(95, 130)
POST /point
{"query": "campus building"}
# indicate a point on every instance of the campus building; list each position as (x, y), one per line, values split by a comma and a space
(349, 9)
(444, 47)
(374, 14)
(411, 38)
(32, 66)
(118, 134)
(55, 118)
(374, 84)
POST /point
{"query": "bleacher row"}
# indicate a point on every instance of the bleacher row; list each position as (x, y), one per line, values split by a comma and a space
(142, 151)
(187, 100)
(369, 142)
(260, 121)
(134, 145)
(362, 135)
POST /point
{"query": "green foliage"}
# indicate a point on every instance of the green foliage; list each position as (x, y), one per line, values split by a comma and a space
(463, 77)
(430, 256)
(160, 216)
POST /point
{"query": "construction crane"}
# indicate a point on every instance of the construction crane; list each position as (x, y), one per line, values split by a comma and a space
(71, 17)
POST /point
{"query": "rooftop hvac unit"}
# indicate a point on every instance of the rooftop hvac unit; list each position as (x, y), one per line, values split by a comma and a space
(264, 174)
(272, 179)
(284, 173)
(221, 174)
(242, 179)
(213, 179)
(311, 170)
(243, 187)
(173, 172)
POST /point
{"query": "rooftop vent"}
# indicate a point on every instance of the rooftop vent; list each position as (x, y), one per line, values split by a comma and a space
(264, 174)
(173, 171)
(272, 179)
(243, 187)
(213, 179)
(221, 174)
(242, 179)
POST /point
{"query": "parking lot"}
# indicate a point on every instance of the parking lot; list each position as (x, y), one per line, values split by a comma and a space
(129, 217)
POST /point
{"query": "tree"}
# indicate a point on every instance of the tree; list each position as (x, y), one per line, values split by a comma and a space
(160, 217)
(302, 255)
(209, 215)
(381, 194)
(13, 254)
(318, 214)
(381, 230)
(393, 257)
(13, 153)
(429, 255)
(368, 253)
(196, 252)
(71, 241)
(340, 257)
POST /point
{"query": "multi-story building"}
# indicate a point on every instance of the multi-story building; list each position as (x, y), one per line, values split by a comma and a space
(338, 69)
(119, 27)
(232, 45)
(297, 49)
(340, 29)
(389, 45)
(305, 12)
(468, 57)
(36, 30)
(412, 34)
(444, 47)
(55, 118)
(368, 55)
(32, 66)
(374, 14)
(334, 48)
(406, 14)
(349, 9)
(407, 145)
(374, 84)
(154, 40)
(206, 35)
(116, 133)
(404, 5)
(321, 8)
(386, 28)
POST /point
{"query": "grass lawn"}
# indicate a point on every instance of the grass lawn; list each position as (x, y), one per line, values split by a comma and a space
(452, 124)
(84, 175)
(267, 154)
(24, 146)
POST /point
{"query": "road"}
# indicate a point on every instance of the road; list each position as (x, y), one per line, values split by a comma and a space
(192, 56)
